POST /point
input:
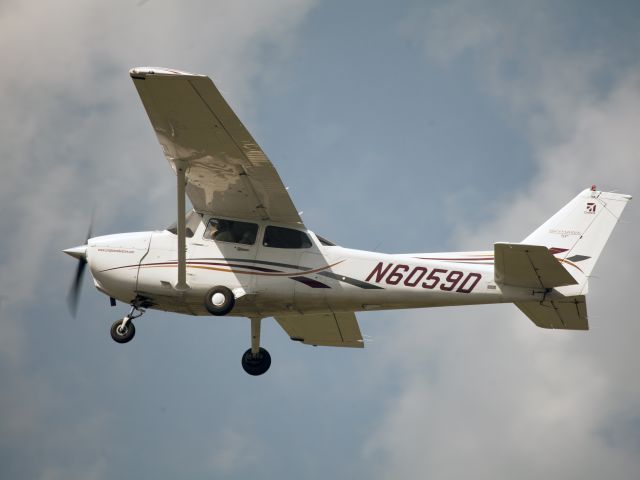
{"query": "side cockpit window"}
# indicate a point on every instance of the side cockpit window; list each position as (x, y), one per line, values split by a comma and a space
(232, 231)
(279, 237)
(192, 220)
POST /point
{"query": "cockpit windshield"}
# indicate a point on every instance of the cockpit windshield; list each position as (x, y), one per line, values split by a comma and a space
(192, 220)
(325, 242)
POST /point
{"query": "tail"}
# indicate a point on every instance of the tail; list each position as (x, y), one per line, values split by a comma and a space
(575, 236)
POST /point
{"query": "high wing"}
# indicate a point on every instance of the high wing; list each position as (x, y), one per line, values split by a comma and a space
(327, 329)
(227, 173)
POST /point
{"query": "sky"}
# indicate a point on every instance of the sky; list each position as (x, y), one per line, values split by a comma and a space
(402, 126)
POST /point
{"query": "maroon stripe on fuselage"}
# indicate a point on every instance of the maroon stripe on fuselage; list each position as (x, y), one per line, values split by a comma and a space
(467, 259)
(310, 282)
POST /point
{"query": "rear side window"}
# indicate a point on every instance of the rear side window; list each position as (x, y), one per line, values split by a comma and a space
(278, 237)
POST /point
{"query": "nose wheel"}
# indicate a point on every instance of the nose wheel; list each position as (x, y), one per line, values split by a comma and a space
(256, 360)
(122, 333)
(123, 330)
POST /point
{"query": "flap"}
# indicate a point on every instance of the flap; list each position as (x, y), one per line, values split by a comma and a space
(327, 329)
(532, 266)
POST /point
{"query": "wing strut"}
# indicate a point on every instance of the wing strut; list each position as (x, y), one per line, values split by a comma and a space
(181, 167)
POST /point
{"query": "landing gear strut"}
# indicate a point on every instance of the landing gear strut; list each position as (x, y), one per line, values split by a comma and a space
(123, 330)
(256, 360)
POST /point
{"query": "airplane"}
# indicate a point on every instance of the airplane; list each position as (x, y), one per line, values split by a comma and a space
(244, 251)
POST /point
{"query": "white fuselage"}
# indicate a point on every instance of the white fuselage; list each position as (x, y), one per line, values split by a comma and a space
(267, 281)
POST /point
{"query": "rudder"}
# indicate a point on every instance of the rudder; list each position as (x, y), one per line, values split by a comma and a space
(577, 234)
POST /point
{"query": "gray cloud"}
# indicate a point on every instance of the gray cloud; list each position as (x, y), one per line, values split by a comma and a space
(443, 392)
(74, 136)
(74, 132)
(233, 450)
(534, 55)
(483, 391)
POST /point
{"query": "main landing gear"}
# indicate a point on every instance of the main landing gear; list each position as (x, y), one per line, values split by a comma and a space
(256, 360)
(219, 301)
(123, 330)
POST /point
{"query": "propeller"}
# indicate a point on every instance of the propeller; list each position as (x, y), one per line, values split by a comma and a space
(79, 253)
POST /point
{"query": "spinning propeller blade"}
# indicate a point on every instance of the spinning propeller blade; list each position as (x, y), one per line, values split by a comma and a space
(76, 286)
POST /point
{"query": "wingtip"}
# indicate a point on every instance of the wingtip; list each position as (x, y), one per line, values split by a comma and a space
(142, 72)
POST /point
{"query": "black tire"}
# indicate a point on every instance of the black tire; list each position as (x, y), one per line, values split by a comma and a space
(258, 364)
(122, 337)
(219, 308)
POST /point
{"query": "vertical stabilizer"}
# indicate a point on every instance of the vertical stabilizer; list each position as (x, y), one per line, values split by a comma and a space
(577, 234)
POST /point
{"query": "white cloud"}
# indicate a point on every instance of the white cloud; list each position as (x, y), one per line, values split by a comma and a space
(484, 392)
(520, 53)
(73, 136)
(74, 133)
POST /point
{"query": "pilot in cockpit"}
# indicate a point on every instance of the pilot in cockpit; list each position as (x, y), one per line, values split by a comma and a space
(223, 232)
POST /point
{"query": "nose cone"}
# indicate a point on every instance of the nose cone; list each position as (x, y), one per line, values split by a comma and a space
(77, 252)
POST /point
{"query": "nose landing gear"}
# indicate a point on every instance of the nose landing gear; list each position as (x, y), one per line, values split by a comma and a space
(123, 330)
(256, 360)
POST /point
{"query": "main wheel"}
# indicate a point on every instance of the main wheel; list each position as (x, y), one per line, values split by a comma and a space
(256, 364)
(122, 335)
(219, 301)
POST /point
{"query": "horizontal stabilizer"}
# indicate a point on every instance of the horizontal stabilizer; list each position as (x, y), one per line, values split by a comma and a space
(569, 313)
(531, 266)
(327, 329)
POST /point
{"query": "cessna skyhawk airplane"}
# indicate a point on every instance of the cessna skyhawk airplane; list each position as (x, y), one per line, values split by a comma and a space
(244, 251)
